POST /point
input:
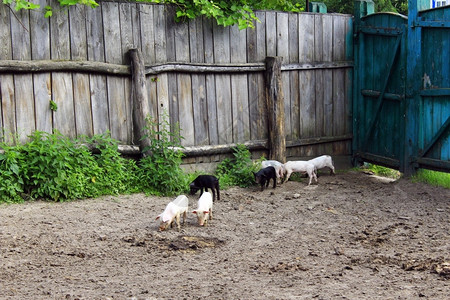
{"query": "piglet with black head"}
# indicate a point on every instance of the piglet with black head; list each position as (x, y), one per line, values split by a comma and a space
(263, 177)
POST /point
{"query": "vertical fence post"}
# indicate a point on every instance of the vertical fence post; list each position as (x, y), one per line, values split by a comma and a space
(139, 98)
(275, 109)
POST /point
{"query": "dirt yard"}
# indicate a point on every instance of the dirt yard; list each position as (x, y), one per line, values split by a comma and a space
(352, 236)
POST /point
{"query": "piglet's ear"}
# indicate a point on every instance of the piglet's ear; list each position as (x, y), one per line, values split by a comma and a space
(205, 212)
(194, 212)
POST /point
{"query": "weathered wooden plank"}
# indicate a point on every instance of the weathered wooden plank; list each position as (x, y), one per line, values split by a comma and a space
(184, 83)
(78, 39)
(62, 95)
(261, 53)
(162, 84)
(5, 33)
(152, 97)
(8, 121)
(199, 103)
(152, 31)
(20, 25)
(149, 43)
(271, 33)
(292, 100)
(326, 129)
(127, 39)
(210, 86)
(62, 87)
(282, 35)
(339, 100)
(97, 83)
(306, 37)
(82, 102)
(239, 87)
(186, 110)
(223, 85)
(196, 45)
(349, 85)
(250, 43)
(99, 102)
(21, 49)
(307, 107)
(241, 122)
(136, 25)
(42, 96)
(306, 80)
(170, 56)
(252, 83)
(224, 115)
(199, 106)
(200, 109)
(39, 34)
(261, 36)
(160, 34)
(94, 35)
(319, 76)
(8, 107)
(127, 29)
(81, 91)
(116, 93)
(40, 50)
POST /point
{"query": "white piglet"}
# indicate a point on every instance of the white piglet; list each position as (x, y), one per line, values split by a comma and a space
(299, 166)
(322, 162)
(204, 208)
(173, 210)
(273, 163)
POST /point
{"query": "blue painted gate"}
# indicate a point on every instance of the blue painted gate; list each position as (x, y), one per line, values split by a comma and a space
(401, 92)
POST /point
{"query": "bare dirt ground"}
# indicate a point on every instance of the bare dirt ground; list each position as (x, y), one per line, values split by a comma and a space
(352, 236)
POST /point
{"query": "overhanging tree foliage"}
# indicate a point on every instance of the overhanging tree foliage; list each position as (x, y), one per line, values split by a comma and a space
(346, 6)
(230, 12)
(226, 13)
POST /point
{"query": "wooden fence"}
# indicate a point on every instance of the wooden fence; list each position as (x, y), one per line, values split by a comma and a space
(208, 78)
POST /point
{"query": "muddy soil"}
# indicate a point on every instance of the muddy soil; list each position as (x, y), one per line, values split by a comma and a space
(352, 236)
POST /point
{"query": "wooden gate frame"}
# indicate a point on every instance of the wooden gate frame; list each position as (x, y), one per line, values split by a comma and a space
(411, 156)
(360, 145)
(415, 157)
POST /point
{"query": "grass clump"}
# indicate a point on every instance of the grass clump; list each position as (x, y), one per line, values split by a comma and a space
(432, 177)
(237, 170)
(54, 167)
(160, 172)
(383, 171)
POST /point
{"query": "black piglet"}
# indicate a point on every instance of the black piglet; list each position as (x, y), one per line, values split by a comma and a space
(206, 182)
